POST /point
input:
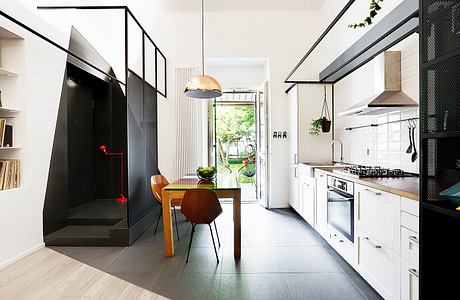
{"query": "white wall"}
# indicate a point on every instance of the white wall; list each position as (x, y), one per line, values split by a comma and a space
(41, 70)
(383, 145)
(279, 37)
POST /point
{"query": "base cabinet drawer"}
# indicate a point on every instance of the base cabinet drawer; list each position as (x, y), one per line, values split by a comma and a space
(409, 281)
(376, 262)
(342, 245)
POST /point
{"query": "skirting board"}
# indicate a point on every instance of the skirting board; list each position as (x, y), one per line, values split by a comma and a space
(18, 257)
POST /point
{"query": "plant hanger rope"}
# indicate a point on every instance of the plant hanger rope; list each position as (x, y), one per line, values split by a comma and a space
(325, 108)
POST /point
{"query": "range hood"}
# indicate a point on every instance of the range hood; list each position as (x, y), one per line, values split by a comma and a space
(388, 82)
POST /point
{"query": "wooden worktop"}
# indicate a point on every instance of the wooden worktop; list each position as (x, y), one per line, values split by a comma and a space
(407, 187)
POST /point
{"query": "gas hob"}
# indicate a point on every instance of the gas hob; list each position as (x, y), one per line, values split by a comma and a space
(358, 171)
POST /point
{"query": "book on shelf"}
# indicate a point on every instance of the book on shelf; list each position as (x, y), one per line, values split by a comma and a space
(10, 174)
(6, 134)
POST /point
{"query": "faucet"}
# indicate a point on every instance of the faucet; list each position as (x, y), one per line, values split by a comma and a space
(341, 148)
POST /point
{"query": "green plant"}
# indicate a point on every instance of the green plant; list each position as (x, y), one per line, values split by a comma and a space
(316, 126)
(374, 7)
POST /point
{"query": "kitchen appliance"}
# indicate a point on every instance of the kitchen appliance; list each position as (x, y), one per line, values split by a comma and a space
(389, 96)
(357, 171)
(340, 205)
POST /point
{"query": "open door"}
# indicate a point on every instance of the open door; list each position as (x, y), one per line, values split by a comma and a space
(262, 132)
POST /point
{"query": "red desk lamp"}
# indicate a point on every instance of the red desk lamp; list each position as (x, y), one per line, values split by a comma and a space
(122, 198)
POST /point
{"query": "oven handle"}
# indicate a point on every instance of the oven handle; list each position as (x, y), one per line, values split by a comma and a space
(342, 198)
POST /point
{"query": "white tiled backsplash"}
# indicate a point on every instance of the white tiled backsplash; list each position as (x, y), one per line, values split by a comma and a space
(384, 145)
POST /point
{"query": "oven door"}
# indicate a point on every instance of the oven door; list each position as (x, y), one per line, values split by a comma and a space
(340, 214)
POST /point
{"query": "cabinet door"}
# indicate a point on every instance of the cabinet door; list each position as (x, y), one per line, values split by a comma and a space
(293, 135)
(321, 203)
(308, 200)
(377, 264)
(294, 188)
(378, 214)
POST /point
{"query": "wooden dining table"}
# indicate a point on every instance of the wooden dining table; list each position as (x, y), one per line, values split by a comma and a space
(224, 185)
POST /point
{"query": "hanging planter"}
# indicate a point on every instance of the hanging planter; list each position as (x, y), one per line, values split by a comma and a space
(323, 124)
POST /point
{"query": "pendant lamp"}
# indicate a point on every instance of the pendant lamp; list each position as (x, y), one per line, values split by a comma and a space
(203, 86)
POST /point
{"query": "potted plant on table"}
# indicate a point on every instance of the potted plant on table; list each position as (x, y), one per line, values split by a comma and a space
(323, 124)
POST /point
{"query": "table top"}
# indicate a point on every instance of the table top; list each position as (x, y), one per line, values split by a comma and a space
(191, 181)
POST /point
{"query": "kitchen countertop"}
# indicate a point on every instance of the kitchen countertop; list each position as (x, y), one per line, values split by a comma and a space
(407, 187)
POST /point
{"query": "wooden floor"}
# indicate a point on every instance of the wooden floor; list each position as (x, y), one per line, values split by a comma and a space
(47, 274)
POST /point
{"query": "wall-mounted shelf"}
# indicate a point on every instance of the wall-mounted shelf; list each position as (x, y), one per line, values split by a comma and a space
(9, 148)
(5, 72)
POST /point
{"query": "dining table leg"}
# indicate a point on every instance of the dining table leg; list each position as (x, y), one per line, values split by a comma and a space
(237, 224)
(167, 224)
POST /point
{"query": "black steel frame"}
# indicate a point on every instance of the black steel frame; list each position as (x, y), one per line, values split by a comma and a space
(127, 14)
(395, 27)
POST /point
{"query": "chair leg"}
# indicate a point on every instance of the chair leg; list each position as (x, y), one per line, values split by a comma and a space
(217, 233)
(190, 243)
(158, 221)
(214, 243)
(175, 220)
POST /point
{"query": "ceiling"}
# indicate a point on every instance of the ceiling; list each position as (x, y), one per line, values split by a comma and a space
(242, 5)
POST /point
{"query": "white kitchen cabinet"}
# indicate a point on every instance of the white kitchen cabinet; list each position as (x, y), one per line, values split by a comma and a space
(379, 214)
(321, 203)
(409, 249)
(305, 104)
(294, 199)
(341, 244)
(378, 264)
(307, 190)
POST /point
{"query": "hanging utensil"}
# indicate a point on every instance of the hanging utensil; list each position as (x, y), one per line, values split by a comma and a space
(409, 149)
(415, 154)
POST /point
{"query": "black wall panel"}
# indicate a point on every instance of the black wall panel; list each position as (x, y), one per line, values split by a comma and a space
(142, 147)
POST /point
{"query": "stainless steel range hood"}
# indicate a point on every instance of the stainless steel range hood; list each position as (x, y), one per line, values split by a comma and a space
(388, 82)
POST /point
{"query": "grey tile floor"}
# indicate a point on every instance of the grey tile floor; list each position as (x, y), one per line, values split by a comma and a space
(282, 258)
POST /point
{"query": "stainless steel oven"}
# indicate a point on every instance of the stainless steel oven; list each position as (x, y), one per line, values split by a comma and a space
(340, 205)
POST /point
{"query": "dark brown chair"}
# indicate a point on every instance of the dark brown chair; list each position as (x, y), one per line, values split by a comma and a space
(158, 182)
(201, 206)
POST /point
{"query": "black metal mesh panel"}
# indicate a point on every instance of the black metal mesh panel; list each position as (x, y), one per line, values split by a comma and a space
(441, 164)
(441, 96)
(441, 28)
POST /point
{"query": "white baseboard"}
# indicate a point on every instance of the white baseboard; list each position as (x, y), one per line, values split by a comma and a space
(18, 257)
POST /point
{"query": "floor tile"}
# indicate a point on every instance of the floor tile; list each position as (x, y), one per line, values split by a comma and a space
(253, 286)
(98, 257)
(322, 286)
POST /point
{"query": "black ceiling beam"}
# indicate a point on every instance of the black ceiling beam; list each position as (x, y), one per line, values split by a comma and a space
(322, 36)
(388, 30)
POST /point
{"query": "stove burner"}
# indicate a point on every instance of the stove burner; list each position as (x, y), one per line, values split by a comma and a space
(366, 171)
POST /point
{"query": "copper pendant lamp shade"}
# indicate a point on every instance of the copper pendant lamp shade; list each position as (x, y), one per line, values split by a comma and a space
(203, 86)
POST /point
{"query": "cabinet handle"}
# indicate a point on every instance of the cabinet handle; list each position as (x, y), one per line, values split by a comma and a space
(413, 239)
(321, 175)
(296, 161)
(340, 241)
(372, 244)
(295, 172)
(413, 272)
(372, 192)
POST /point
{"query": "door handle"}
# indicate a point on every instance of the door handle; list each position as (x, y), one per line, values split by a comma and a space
(371, 243)
(372, 192)
(413, 272)
(413, 239)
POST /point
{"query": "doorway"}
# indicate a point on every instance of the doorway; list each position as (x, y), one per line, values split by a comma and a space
(239, 126)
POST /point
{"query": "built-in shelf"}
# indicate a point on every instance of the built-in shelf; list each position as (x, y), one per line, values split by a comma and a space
(441, 134)
(5, 72)
(9, 148)
(442, 207)
(440, 59)
(5, 110)
(12, 190)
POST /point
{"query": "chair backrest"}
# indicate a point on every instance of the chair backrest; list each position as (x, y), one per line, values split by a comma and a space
(158, 182)
(201, 206)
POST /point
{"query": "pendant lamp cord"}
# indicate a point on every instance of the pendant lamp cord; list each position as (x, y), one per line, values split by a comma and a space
(202, 36)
